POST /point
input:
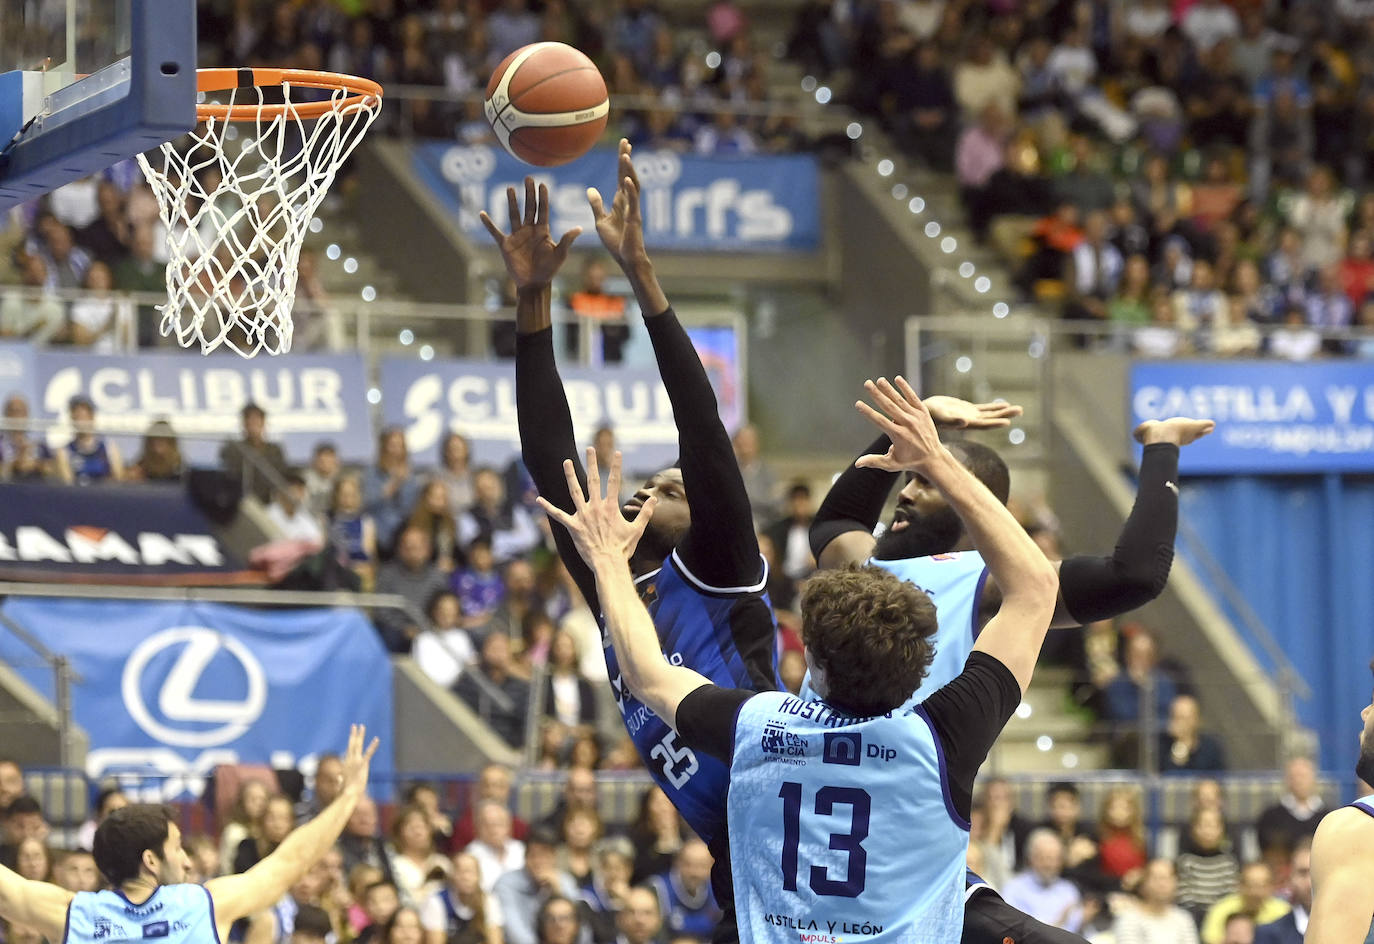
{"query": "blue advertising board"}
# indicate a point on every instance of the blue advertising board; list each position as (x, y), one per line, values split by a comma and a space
(690, 202)
(428, 399)
(307, 398)
(171, 690)
(1271, 417)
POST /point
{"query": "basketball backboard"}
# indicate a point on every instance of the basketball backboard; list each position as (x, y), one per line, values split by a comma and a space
(87, 83)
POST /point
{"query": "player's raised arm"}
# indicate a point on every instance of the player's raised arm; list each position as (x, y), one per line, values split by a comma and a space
(1029, 582)
(237, 896)
(38, 905)
(720, 549)
(532, 259)
(1342, 878)
(606, 540)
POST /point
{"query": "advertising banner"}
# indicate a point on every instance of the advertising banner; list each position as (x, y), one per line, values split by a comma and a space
(1271, 417)
(690, 202)
(171, 690)
(307, 398)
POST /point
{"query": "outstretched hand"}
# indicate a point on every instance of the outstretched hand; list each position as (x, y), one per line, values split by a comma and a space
(953, 413)
(906, 421)
(1179, 430)
(532, 257)
(622, 227)
(597, 527)
(357, 761)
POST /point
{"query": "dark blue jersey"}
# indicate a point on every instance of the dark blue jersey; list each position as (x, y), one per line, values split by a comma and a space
(728, 635)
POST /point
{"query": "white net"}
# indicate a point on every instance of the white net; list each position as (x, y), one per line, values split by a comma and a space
(237, 198)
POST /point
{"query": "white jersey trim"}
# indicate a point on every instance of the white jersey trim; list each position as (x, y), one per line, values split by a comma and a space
(702, 585)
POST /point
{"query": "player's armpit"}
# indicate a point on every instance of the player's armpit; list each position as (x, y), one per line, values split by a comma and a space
(848, 547)
(37, 905)
(1342, 878)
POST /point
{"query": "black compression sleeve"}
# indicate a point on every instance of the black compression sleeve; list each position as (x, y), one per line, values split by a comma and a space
(546, 439)
(706, 720)
(855, 502)
(720, 548)
(1096, 588)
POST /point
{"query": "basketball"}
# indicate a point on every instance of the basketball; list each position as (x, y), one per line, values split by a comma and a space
(547, 104)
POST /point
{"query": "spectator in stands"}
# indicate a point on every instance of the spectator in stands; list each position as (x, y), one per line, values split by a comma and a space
(1096, 271)
(1240, 929)
(203, 852)
(1319, 216)
(1280, 142)
(509, 27)
(686, 903)
(320, 477)
(497, 851)
(926, 114)
(1295, 817)
(455, 471)
(245, 458)
(88, 457)
(1041, 891)
(389, 487)
(248, 808)
(1007, 829)
(381, 901)
(518, 599)
(432, 516)
(657, 833)
(33, 860)
(94, 321)
(985, 76)
(1257, 301)
(579, 793)
(1121, 850)
(1183, 745)
(558, 921)
(159, 459)
(1208, 869)
(1156, 918)
(445, 649)
(67, 262)
(140, 271)
(1065, 810)
(592, 304)
(759, 481)
(312, 925)
(425, 796)
(1329, 308)
(351, 530)
(419, 870)
(1053, 238)
(290, 514)
(21, 459)
(613, 864)
(277, 820)
(1255, 899)
(1200, 307)
(461, 910)
(569, 699)
(579, 832)
(789, 533)
(361, 845)
(479, 587)
(1295, 339)
(1130, 307)
(1140, 668)
(76, 872)
(360, 878)
(26, 313)
(1292, 927)
(498, 697)
(412, 575)
(106, 802)
(640, 921)
(493, 783)
(507, 525)
(324, 787)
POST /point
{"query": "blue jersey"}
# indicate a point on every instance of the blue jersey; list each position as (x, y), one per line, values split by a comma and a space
(693, 915)
(173, 914)
(702, 628)
(843, 828)
(954, 582)
(89, 466)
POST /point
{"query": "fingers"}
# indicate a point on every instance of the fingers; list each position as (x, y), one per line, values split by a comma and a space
(875, 461)
(878, 419)
(613, 478)
(513, 205)
(593, 474)
(646, 511)
(886, 397)
(565, 244)
(553, 511)
(594, 199)
(492, 228)
(530, 204)
(579, 500)
(1000, 408)
(541, 206)
(909, 394)
(627, 164)
(371, 749)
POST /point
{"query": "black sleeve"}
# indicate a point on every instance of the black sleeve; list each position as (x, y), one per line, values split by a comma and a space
(720, 547)
(1095, 588)
(706, 720)
(855, 502)
(968, 714)
(546, 439)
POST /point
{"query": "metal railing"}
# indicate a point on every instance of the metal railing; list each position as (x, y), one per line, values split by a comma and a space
(64, 677)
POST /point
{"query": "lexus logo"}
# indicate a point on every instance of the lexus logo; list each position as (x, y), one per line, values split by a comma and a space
(176, 701)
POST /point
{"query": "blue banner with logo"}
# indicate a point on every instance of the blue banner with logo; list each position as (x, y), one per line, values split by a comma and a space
(690, 202)
(1271, 417)
(429, 399)
(16, 370)
(171, 690)
(146, 533)
(307, 398)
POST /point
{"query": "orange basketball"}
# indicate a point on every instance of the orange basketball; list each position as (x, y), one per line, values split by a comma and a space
(547, 104)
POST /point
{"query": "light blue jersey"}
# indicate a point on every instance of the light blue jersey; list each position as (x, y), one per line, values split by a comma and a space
(954, 583)
(1365, 803)
(173, 914)
(842, 828)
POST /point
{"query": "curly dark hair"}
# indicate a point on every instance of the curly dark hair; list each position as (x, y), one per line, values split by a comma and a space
(871, 634)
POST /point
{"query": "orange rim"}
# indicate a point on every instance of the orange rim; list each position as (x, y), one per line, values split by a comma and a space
(219, 80)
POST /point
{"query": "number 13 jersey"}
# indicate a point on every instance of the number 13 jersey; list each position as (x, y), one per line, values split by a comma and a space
(728, 635)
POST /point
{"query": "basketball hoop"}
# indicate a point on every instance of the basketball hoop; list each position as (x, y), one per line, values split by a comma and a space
(237, 204)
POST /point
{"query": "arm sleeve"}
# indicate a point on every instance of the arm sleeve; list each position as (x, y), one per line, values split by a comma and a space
(855, 502)
(720, 548)
(706, 720)
(546, 439)
(967, 715)
(1095, 588)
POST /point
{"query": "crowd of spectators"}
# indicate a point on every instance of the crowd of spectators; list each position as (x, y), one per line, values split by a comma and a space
(1187, 176)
